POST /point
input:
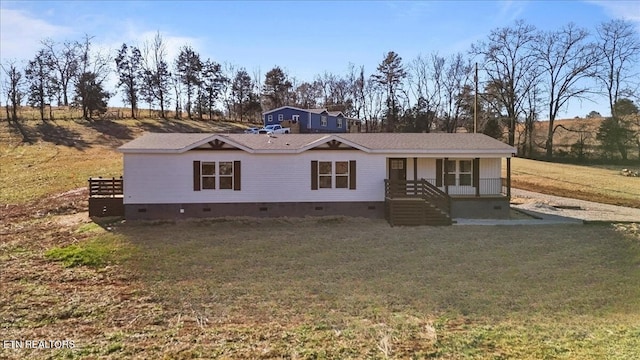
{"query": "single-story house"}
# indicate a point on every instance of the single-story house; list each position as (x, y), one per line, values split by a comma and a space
(407, 178)
(310, 120)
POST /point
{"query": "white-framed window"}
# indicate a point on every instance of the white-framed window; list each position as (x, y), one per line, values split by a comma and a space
(269, 118)
(325, 174)
(208, 174)
(225, 175)
(459, 172)
(339, 123)
(333, 175)
(218, 175)
(342, 174)
(280, 117)
(323, 120)
(295, 118)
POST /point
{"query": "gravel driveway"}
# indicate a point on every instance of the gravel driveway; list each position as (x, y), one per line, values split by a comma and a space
(542, 205)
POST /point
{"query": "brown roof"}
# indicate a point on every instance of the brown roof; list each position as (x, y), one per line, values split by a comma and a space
(369, 142)
(169, 142)
(431, 141)
(276, 141)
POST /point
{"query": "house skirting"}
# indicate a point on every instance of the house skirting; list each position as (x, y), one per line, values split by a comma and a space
(105, 206)
(368, 209)
(480, 207)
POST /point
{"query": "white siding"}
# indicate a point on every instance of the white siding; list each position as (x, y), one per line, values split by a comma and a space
(426, 168)
(168, 178)
(490, 168)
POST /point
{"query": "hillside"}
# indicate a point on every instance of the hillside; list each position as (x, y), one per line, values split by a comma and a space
(569, 132)
(61, 155)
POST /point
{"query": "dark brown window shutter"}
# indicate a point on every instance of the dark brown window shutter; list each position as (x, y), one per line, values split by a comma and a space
(476, 172)
(236, 175)
(314, 175)
(438, 172)
(196, 176)
(352, 174)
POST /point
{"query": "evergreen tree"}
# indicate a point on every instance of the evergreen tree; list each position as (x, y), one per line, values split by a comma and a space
(189, 72)
(130, 73)
(390, 75)
(276, 88)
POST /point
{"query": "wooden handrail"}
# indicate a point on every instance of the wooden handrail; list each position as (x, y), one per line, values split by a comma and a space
(419, 189)
(105, 187)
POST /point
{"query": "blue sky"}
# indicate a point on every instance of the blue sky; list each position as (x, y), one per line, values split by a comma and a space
(304, 37)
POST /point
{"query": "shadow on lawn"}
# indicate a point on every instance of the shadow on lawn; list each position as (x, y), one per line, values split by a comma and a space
(59, 135)
(18, 129)
(111, 129)
(166, 126)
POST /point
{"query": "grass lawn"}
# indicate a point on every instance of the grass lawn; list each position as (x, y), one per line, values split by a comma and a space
(337, 288)
(592, 183)
(328, 288)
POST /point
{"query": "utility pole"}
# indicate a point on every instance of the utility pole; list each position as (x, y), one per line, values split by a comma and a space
(475, 103)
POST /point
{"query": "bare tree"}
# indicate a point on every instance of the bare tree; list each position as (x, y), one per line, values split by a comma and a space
(509, 63)
(356, 85)
(306, 95)
(619, 47)
(157, 77)
(426, 77)
(65, 57)
(566, 58)
(458, 76)
(374, 95)
(12, 85)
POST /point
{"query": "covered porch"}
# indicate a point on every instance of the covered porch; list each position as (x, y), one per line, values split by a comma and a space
(433, 191)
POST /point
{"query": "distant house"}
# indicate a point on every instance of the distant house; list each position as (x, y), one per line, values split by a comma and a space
(310, 120)
(410, 179)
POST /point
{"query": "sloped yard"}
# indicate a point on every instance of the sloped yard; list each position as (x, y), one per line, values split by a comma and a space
(332, 288)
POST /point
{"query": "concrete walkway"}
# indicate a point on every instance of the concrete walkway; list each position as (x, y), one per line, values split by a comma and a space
(548, 209)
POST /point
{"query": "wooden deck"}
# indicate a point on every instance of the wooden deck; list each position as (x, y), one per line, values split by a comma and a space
(106, 197)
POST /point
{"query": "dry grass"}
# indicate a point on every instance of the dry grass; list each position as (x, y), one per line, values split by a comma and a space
(62, 155)
(593, 183)
(332, 288)
(572, 131)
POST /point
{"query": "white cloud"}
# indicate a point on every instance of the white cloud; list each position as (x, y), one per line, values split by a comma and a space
(21, 33)
(627, 10)
(510, 11)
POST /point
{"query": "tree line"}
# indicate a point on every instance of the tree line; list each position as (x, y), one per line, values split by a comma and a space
(502, 86)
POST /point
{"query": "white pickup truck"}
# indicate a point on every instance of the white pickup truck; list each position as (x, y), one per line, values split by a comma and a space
(274, 129)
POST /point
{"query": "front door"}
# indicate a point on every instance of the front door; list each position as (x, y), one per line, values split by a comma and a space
(397, 169)
(397, 177)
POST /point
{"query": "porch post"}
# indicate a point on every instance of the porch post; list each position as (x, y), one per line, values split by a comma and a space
(446, 175)
(415, 177)
(508, 177)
